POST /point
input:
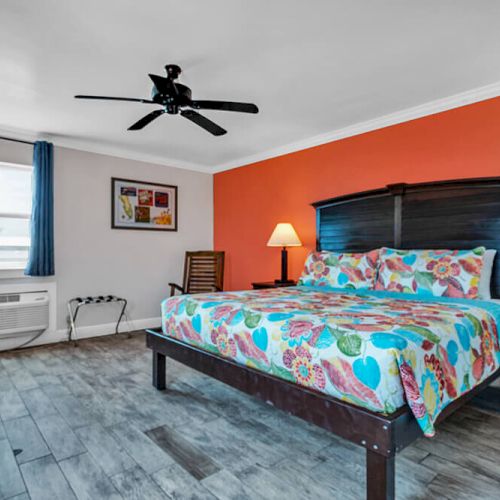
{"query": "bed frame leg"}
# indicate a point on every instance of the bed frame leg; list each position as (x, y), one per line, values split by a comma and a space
(159, 371)
(380, 476)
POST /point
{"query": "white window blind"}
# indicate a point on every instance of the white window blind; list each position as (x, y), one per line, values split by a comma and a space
(15, 213)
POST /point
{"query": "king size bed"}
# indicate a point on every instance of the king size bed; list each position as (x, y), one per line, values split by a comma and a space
(379, 365)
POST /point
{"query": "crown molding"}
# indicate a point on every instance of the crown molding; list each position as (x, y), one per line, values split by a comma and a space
(430, 108)
(103, 149)
(20, 135)
(128, 154)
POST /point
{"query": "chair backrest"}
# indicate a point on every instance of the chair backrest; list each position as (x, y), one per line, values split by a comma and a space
(203, 272)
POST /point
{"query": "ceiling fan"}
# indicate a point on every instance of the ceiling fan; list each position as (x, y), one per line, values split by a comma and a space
(175, 98)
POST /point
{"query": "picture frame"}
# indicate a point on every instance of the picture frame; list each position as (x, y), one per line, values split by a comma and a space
(142, 205)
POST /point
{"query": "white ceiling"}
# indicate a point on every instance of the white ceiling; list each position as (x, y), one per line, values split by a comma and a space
(312, 67)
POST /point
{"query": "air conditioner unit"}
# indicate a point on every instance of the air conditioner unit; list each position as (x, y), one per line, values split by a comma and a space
(22, 313)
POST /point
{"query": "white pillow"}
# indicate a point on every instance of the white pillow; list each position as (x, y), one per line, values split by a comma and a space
(484, 288)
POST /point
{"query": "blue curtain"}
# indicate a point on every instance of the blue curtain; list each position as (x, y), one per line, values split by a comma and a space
(41, 253)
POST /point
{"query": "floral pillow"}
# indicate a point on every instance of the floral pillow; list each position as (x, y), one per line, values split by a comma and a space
(340, 270)
(441, 273)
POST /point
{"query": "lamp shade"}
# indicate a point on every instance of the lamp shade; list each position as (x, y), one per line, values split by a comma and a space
(284, 235)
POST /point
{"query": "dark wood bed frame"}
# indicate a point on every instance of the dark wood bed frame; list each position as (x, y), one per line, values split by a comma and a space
(447, 214)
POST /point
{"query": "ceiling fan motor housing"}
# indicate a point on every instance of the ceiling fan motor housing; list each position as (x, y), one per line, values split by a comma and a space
(170, 100)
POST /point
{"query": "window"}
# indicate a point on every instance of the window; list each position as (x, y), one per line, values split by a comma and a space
(15, 213)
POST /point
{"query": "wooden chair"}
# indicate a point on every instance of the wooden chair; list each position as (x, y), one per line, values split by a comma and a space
(203, 273)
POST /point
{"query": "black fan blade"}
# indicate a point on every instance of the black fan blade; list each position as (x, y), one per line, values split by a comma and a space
(104, 98)
(164, 85)
(241, 107)
(203, 122)
(146, 119)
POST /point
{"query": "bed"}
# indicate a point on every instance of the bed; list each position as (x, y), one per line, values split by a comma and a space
(343, 359)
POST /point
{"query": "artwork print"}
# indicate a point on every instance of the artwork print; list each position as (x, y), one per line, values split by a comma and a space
(143, 205)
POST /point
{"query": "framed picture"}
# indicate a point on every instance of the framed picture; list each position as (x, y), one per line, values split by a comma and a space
(143, 205)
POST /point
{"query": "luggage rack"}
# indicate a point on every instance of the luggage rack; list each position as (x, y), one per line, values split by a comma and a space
(76, 303)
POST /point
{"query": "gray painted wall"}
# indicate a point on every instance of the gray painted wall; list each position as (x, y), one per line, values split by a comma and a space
(92, 258)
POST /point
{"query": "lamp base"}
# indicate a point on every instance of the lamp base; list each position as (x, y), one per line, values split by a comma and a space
(286, 282)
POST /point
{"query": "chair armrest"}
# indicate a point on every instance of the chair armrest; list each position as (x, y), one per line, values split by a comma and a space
(174, 287)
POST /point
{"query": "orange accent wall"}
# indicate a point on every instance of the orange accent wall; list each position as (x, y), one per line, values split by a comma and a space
(250, 200)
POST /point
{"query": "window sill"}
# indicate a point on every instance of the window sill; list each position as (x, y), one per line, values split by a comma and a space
(12, 273)
(18, 274)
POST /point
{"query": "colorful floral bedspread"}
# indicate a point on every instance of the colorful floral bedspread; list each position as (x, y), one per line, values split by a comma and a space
(374, 349)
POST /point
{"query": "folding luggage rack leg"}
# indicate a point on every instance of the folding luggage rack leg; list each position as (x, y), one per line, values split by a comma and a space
(76, 303)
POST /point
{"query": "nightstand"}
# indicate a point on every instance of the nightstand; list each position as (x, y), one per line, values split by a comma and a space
(271, 284)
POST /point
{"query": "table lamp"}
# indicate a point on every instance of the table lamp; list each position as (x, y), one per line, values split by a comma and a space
(284, 235)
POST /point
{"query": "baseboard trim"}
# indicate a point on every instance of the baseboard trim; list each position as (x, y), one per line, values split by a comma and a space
(84, 332)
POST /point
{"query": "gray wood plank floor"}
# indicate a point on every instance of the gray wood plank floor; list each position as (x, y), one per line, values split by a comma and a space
(85, 422)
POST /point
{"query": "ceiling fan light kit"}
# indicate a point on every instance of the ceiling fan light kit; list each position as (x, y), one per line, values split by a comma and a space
(175, 98)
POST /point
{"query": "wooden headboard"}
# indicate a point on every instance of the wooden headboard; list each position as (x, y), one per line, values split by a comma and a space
(456, 214)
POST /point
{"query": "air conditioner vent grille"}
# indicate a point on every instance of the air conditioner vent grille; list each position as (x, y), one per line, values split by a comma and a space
(15, 297)
(23, 313)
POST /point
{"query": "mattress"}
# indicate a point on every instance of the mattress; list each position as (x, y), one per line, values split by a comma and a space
(377, 350)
